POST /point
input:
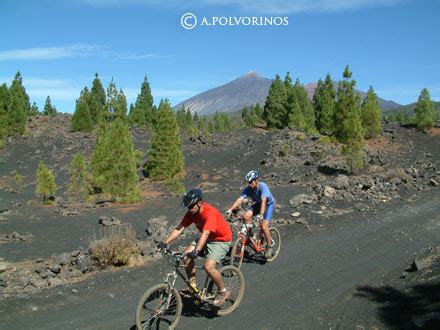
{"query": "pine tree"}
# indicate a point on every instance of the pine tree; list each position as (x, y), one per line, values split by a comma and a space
(166, 160)
(186, 122)
(82, 119)
(143, 112)
(188, 118)
(245, 116)
(34, 109)
(218, 123)
(25, 96)
(123, 179)
(324, 102)
(296, 116)
(80, 180)
(195, 118)
(122, 100)
(258, 114)
(100, 162)
(371, 115)
(116, 103)
(18, 107)
(184, 119)
(46, 185)
(4, 104)
(275, 113)
(113, 162)
(97, 100)
(49, 110)
(211, 128)
(226, 122)
(306, 107)
(349, 129)
(130, 114)
(424, 110)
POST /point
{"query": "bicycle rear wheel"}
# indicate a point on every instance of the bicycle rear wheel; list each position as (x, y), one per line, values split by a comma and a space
(237, 252)
(159, 308)
(276, 243)
(234, 282)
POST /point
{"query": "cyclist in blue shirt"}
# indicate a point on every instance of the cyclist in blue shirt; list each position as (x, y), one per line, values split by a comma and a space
(262, 206)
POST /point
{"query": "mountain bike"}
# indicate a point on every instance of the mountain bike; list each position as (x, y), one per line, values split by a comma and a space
(252, 235)
(160, 307)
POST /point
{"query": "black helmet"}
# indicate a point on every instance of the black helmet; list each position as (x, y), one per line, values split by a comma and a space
(251, 176)
(191, 197)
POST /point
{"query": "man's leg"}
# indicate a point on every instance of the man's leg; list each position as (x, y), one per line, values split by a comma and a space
(189, 265)
(211, 268)
(222, 294)
(248, 216)
(216, 253)
(265, 227)
(266, 231)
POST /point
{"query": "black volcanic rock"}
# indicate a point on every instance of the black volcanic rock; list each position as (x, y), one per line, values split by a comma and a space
(247, 90)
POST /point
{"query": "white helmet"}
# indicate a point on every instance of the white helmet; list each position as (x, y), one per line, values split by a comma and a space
(251, 176)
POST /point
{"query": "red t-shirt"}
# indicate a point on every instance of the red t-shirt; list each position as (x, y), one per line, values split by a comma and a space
(209, 219)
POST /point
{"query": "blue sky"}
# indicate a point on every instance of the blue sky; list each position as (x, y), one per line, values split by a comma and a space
(393, 45)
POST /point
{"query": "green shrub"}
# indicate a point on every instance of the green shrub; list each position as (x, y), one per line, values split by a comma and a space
(46, 185)
(301, 137)
(325, 139)
(285, 148)
(18, 178)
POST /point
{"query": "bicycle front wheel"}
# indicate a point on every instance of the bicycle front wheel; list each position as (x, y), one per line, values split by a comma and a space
(237, 252)
(234, 282)
(159, 308)
(276, 243)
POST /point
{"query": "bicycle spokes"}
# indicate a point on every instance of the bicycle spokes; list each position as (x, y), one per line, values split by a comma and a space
(159, 308)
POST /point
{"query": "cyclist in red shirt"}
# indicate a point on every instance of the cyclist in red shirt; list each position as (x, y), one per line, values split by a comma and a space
(213, 243)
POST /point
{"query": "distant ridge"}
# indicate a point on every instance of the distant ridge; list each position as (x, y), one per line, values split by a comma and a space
(409, 109)
(247, 90)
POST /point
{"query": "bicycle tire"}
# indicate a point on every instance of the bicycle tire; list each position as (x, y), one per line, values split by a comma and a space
(276, 237)
(234, 281)
(237, 252)
(152, 315)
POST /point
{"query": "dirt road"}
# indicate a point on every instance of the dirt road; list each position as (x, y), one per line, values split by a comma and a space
(312, 285)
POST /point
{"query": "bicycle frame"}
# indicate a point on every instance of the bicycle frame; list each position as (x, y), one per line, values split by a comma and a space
(248, 239)
(170, 279)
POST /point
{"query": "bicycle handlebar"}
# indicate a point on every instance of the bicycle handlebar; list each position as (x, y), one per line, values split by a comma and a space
(175, 256)
(236, 217)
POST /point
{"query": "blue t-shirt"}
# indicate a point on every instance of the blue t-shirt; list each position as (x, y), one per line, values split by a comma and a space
(261, 192)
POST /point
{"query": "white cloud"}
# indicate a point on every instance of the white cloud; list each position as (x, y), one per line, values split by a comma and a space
(40, 88)
(72, 51)
(129, 55)
(297, 6)
(257, 7)
(49, 53)
(158, 93)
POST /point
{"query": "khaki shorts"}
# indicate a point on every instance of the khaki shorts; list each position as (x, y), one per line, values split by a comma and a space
(214, 250)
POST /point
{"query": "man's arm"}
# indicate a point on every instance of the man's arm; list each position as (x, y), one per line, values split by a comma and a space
(174, 234)
(237, 203)
(202, 240)
(263, 205)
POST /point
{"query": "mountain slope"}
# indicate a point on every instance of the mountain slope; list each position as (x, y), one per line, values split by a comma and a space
(409, 108)
(247, 90)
